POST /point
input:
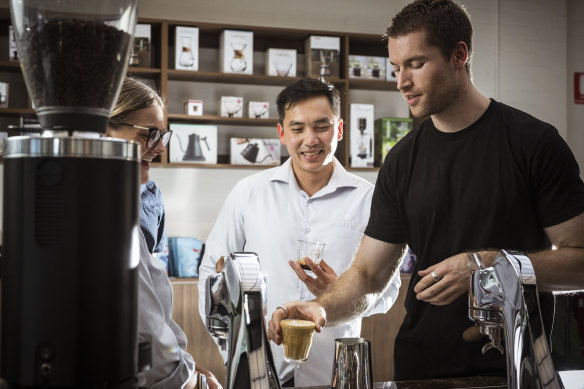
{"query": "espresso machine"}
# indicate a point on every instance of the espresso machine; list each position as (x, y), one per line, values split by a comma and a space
(70, 210)
(503, 298)
(235, 306)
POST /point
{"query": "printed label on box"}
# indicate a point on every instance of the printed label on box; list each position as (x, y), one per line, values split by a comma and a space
(236, 52)
(362, 116)
(194, 107)
(357, 66)
(252, 151)
(186, 48)
(141, 54)
(322, 55)
(193, 143)
(4, 94)
(12, 50)
(375, 68)
(389, 74)
(258, 110)
(281, 62)
(231, 106)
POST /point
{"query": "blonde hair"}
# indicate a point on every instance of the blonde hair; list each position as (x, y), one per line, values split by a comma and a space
(134, 96)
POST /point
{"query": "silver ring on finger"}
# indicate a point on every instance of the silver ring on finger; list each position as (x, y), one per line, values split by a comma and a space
(435, 277)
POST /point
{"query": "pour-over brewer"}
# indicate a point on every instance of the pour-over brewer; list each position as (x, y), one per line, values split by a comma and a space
(70, 216)
(235, 302)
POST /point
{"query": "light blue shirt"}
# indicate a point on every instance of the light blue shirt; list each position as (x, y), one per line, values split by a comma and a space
(266, 213)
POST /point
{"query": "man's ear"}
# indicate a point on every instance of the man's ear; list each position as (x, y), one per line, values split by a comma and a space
(340, 130)
(281, 133)
(460, 55)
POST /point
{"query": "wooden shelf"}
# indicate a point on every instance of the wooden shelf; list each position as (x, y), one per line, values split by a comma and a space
(390, 86)
(213, 119)
(218, 84)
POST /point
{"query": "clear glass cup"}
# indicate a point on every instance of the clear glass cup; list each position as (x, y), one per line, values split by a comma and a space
(296, 339)
(312, 250)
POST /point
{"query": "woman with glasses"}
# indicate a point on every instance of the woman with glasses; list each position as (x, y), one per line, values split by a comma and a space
(139, 116)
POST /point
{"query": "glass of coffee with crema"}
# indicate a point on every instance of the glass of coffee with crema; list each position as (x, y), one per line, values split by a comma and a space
(296, 339)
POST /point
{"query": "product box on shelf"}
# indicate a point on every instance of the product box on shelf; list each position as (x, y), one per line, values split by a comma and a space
(252, 151)
(193, 143)
(194, 107)
(281, 62)
(375, 68)
(322, 55)
(231, 106)
(389, 73)
(186, 53)
(357, 66)
(388, 131)
(362, 142)
(141, 54)
(4, 94)
(236, 52)
(258, 110)
(12, 50)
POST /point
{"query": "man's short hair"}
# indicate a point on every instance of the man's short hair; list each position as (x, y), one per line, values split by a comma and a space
(307, 88)
(445, 23)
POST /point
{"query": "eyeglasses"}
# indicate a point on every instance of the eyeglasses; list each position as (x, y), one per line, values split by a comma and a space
(154, 135)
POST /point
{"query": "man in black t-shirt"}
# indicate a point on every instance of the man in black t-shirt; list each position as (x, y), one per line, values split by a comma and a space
(475, 176)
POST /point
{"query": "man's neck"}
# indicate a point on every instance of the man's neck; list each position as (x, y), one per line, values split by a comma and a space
(311, 183)
(464, 110)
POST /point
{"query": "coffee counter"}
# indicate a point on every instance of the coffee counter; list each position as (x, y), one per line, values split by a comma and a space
(442, 383)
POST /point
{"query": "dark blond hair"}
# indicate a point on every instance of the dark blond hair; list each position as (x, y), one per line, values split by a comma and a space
(134, 96)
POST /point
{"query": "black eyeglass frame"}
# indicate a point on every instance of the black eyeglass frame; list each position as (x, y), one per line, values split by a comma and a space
(152, 140)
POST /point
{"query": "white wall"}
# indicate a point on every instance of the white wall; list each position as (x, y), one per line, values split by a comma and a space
(525, 53)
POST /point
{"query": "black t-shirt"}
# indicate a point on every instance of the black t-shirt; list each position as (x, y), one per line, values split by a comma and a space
(493, 185)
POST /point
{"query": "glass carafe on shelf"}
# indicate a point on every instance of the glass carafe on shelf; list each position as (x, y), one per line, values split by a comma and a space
(365, 142)
(238, 63)
(186, 55)
(325, 69)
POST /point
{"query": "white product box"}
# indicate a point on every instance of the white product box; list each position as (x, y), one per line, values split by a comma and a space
(236, 52)
(186, 53)
(375, 68)
(4, 94)
(281, 62)
(389, 73)
(357, 66)
(322, 55)
(141, 55)
(252, 151)
(193, 143)
(194, 107)
(258, 110)
(231, 106)
(362, 125)
(12, 50)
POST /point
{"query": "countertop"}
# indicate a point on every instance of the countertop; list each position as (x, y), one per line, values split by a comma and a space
(441, 383)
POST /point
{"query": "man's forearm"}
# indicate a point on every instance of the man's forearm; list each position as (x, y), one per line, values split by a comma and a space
(559, 270)
(357, 289)
(347, 299)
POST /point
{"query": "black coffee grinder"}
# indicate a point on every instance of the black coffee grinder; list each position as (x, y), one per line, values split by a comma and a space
(70, 216)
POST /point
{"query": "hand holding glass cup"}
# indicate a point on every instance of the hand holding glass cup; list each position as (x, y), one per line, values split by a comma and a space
(312, 250)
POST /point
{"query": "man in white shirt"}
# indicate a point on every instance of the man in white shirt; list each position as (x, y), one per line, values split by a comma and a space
(309, 197)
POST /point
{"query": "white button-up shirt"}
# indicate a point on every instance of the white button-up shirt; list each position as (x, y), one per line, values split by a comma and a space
(266, 213)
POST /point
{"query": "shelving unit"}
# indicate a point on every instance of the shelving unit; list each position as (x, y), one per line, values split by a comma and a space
(208, 84)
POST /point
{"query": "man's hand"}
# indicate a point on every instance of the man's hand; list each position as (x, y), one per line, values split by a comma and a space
(304, 310)
(325, 275)
(443, 282)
